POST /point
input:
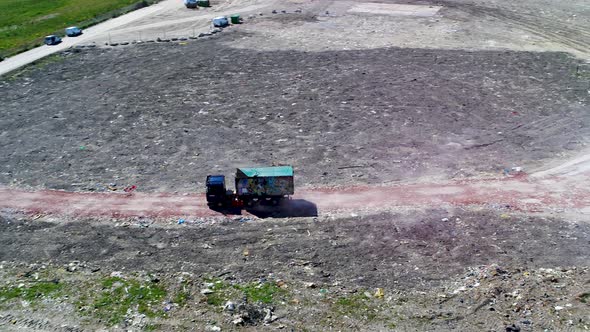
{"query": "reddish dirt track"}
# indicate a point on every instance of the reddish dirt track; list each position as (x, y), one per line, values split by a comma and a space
(518, 193)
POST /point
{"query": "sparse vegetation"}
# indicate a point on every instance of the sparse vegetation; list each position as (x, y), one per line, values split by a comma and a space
(263, 293)
(31, 292)
(356, 305)
(120, 295)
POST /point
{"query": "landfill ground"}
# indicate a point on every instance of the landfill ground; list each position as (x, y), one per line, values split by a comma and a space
(441, 165)
(162, 117)
(416, 270)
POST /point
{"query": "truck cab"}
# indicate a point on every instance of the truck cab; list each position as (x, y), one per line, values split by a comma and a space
(216, 191)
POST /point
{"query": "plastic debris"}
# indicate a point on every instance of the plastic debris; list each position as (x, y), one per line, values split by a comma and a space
(181, 221)
(229, 306)
(130, 188)
(379, 293)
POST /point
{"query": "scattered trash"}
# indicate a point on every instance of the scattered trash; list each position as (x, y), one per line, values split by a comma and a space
(379, 293)
(269, 317)
(244, 219)
(310, 285)
(167, 307)
(206, 291)
(558, 308)
(181, 221)
(246, 252)
(229, 306)
(513, 170)
(512, 328)
(238, 320)
(112, 187)
(82, 147)
(130, 188)
(212, 328)
(323, 291)
(445, 219)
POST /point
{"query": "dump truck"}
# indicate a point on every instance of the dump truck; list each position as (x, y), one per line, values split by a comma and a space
(253, 185)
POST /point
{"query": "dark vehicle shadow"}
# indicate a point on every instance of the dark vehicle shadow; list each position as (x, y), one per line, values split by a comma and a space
(287, 208)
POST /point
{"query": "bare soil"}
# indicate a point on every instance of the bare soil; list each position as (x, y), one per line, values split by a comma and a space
(163, 117)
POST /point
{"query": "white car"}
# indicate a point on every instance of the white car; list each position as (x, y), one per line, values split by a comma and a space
(73, 31)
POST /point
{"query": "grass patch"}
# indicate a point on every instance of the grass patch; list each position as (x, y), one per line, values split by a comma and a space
(356, 305)
(254, 292)
(181, 297)
(221, 292)
(119, 296)
(24, 23)
(37, 290)
(264, 293)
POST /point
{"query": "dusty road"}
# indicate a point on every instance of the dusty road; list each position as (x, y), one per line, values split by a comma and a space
(520, 193)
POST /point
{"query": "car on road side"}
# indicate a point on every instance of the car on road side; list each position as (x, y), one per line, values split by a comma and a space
(190, 3)
(220, 22)
(73, 31)
(52, 40)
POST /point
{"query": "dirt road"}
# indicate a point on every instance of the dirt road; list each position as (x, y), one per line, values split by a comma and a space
(514, 193)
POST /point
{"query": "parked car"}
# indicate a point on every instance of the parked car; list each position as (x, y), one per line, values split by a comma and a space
(190, 3)
(73, 31)
(52, 40)
(220, 22)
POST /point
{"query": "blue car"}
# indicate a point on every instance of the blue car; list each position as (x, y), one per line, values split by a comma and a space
(52, 40)
(220, 22)
(73, 31)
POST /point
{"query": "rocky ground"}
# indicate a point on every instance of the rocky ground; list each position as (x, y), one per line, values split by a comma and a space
(409, 270)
